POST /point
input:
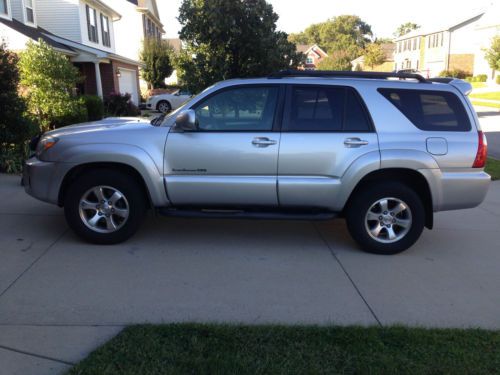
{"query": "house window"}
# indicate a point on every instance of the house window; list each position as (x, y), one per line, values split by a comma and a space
(92, 24)
(3, 7)
(30, 14)
(106, 39)
(309, 60)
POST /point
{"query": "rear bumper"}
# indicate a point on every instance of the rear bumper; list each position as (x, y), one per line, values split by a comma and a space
(454, 190)
(42, 179)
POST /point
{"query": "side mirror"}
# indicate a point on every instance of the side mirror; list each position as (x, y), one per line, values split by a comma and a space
(186, 121)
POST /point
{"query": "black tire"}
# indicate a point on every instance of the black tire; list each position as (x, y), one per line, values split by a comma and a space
(363, 200)
(126, 184)
(168, 106)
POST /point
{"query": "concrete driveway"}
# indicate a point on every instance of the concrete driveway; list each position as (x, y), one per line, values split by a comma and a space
(60, 297)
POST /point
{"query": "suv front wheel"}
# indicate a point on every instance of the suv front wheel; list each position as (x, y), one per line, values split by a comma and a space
(105, 206)
(386, 218)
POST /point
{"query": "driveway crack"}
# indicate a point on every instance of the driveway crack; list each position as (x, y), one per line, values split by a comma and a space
(347, 274)
(36, 355)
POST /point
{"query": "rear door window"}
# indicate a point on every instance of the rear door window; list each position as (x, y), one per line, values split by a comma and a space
(430, 110)
(325, 109)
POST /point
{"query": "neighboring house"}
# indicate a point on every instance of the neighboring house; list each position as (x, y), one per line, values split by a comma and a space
(486, 29)
(451, 47)
(139, 20)
(386, 66)
(84, 31)
(314, 54)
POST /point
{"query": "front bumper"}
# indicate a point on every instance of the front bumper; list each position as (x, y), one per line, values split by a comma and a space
(43, 179)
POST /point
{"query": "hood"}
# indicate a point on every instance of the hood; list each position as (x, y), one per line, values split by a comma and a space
(107, 124)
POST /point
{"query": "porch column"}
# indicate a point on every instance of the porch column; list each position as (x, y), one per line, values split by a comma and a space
(98, 79)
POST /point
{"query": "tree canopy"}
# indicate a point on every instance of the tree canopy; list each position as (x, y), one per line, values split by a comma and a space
(493, 54)
(343, 38)
(405, 28)
(228, 39)
(157, 57)
(374, 55)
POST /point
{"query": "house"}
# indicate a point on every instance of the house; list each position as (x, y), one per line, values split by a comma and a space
(485, 30)
(314, 55)
(83, 30)
(454, 46)
(388, 64)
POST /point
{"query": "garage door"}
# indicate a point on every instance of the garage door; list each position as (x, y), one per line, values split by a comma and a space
(128, 84)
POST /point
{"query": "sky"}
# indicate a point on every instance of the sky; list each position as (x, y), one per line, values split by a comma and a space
(383, 15)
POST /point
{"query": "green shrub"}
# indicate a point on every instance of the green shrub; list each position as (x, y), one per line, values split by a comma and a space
(497, 80)
(48, 79)
(469, 79)
(95, 107)
(455, 73)
(482, 78)
(117, 104)
(15, 126)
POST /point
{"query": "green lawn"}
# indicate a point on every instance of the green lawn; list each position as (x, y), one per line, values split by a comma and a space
(226, 349)
(487, 95)
(493, 168)
(485, 104)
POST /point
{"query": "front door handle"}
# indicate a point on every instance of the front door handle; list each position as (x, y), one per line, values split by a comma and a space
(263, 142)
(354, 142)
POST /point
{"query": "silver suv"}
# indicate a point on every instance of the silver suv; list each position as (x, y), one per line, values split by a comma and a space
(383, 150)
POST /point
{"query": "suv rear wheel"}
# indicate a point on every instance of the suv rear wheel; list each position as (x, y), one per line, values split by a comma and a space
(105, 206)
(386, 218)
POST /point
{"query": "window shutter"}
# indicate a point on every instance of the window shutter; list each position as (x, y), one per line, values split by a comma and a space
(87, 10)
(95, 28)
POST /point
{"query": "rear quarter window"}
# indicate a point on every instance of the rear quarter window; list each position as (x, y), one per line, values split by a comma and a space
(430, 110)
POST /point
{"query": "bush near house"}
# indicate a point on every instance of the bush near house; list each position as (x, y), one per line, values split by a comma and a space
(95, 107)
(478, 78)
(15, 126)
(48, 80)
(455, 73)
(497, 80)
(117, 104)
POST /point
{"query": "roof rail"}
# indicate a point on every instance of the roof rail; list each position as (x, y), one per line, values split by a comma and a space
(348, 74)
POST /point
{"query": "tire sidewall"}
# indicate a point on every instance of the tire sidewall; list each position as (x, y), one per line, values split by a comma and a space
(122, 182)
(362, 202)
(169, 107)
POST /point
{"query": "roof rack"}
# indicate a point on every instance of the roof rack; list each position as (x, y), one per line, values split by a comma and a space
(334, 73)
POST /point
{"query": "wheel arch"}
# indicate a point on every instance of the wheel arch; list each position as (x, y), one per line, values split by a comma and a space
(410, 177)
(81, 169)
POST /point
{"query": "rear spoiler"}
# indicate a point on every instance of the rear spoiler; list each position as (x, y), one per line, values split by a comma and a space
(463, 86)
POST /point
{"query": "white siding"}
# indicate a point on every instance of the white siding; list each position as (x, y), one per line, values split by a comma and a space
(84, 32)
(60, 17)
(128, 30)
(14, 40)
(16, 7)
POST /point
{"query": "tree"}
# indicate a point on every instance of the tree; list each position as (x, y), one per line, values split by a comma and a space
(374, 55)
(339, 60)
(48, 80)
(492, 54)
(15, 128)
(405, 28)
(157, 57)
(343, 38)
(229, 39)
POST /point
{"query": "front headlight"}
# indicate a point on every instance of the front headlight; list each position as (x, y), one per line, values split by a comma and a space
(45, 143)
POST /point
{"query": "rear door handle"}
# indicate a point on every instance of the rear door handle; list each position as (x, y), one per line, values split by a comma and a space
(354, 142)
(263, 142)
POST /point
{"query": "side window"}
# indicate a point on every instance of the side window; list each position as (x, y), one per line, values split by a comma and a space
(430, 110)
(356, 118)
(325, 109)
(238, 109)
